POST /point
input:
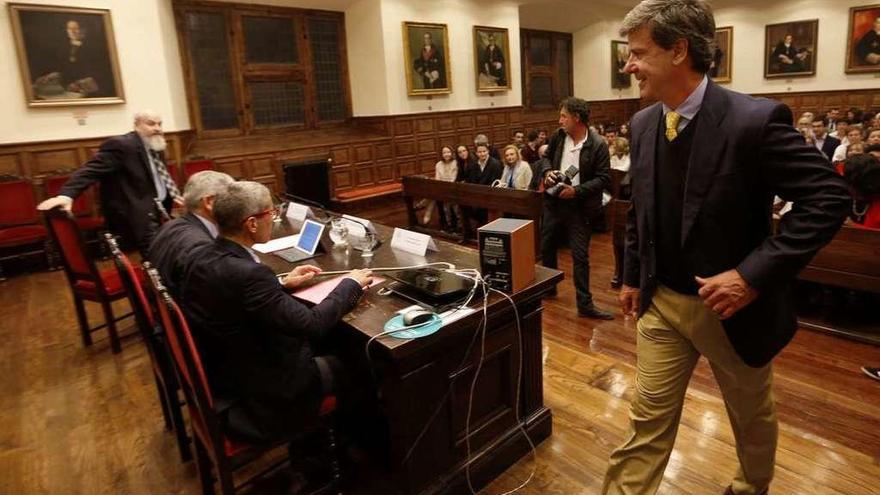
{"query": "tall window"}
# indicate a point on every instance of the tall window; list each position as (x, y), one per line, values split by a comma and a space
(547, 73)
(252, 69)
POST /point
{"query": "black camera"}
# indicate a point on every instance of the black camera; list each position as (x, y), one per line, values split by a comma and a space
(561, 178)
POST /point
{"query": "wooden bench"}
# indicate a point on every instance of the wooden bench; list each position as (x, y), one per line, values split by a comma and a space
(498, 200)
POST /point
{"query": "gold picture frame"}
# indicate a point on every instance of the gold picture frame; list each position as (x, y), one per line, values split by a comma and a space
(620, 79)
(722, 62)
(863, 40)
(66, 55)
(491, 59)
(426, 66)
(790, 49)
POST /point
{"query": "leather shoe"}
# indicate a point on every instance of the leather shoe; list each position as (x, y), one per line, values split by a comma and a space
(594, 312)
(729, 491)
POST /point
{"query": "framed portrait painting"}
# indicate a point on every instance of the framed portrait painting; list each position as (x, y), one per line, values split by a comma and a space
(426, 58)
(620, 79)
(790, 49)
(67, 55)
(863, 40)
(721, 70)
(492, 55)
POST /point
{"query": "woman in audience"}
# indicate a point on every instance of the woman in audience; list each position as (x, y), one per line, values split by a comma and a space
(853, 135)
(446, 170)
(517, 173)
(873, 137)
(623, 131)
(855, 149)
(862, 172)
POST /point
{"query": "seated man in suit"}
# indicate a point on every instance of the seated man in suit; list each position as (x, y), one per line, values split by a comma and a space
(823, 141)
(485, 171)
(260, 346)
(179, 238)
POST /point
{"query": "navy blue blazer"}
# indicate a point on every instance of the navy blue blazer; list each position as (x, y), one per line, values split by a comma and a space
(173, 246)
(745, 151)
(255, 339)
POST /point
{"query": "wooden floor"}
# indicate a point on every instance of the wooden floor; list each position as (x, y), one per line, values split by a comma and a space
(81, 420)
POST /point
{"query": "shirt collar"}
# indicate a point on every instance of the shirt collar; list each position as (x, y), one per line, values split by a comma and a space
(252, 253)
(691, 105)
(212, 229)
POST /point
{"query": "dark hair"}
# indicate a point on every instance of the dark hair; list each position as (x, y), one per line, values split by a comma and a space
(863, 174)
(611, 128)
(843, 121)
(450, 149)
(462, 164)
(823, 121)
(872, 148)
(518, 131)
(672, 20)
(533, 134)
(577, 106)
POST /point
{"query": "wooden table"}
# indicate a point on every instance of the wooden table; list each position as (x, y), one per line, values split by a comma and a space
(416, 377)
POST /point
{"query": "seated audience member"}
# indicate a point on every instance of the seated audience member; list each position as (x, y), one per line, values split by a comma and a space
(873, 137)
(484, 171)
(855, 149)
(178, 239)
(862, 172)
(620, 161)
(446, 170)
(482, 139)
(517, 174)
(854, 115)
(623, 131)
(542, 138)
(804, 125)
(529, 152)
(519, 139)
(264, 352)
(840, 131)
(464, 160)
(873, 149)
(832, 117)
(822, 140)
(853, 135)
(610, 136)
(808, 116)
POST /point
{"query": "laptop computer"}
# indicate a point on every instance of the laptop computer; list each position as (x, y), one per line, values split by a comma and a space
(307, 244)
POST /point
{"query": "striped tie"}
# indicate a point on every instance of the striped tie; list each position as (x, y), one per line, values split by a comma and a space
(165, 177)
(672, 125)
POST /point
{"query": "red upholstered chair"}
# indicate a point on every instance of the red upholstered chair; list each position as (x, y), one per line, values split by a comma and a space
(143, 307)
(83, 210)
(215, 452)
(19, 221)
(195, 166)
(86, 282)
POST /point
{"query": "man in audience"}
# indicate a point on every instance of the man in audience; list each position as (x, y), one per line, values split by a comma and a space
(705, 278)
(483, 139)
(581, 156)
(610, 135)
(136, 189)
(530, 150)
(542, 137)
(840, 131)
(265, 353)
(832, 116)
(823, 142)
(178, 239)
(519, 139)
(485, 171)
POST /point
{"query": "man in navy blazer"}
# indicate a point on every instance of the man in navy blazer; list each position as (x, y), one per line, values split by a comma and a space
(704, 272)
(824, 142)
(133, 176)
(260, 346)
(178, 239)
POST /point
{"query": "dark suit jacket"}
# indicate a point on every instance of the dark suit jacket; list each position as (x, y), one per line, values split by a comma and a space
(490, 173)
(831, 143)
(594, 171)
(745, 151)
(173, 246)
(255, 339)
(123, 169)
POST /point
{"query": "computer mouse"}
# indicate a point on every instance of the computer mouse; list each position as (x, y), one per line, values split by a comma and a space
(417, 317)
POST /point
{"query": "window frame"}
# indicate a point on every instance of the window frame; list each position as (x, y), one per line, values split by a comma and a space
(552, 71)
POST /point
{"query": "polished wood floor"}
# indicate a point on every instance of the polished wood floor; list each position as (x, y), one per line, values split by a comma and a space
(77, 420)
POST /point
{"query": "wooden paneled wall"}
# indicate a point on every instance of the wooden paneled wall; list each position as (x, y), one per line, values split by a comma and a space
(372, 151)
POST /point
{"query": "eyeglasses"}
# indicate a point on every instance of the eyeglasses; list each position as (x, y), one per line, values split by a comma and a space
(274, 211)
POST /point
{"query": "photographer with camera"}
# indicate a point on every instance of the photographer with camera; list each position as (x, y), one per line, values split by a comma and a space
(574, 175)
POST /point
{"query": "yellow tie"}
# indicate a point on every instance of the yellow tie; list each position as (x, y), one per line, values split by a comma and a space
(672, 125)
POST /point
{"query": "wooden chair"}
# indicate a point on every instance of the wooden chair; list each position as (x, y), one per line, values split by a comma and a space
(86, 282)
(83, 211)
(19, 222)
(215, 451)
(152, 333)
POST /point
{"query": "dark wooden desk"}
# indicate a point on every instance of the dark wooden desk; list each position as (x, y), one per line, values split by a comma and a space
(415, 375)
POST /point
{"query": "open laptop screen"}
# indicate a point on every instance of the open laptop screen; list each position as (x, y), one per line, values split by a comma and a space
(309, 236)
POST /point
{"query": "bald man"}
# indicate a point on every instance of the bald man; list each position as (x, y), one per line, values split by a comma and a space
(136, 189)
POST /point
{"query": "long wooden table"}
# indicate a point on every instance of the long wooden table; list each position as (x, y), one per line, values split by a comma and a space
(416, 377)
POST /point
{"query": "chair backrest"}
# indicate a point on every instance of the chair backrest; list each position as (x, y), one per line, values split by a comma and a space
(194, 166)
(68, 239)
(134, 289)
(82, 205)
(17, 203)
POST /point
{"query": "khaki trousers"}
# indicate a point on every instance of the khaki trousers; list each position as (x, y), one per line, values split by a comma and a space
(672, 335)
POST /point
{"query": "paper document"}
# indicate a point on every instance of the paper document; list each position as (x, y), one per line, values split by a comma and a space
(318, 292)
(277, 244)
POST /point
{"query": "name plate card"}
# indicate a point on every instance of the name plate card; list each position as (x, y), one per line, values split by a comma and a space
(298, 212)
(412, 242)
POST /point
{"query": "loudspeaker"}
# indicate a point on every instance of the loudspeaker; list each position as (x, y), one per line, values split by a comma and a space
(507, 253)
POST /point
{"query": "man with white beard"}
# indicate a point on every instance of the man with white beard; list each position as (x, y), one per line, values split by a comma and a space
(136, 188)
